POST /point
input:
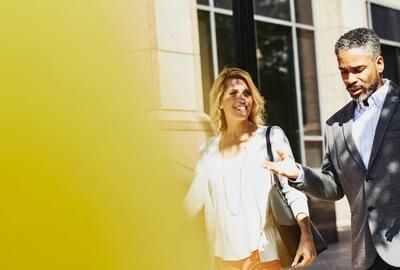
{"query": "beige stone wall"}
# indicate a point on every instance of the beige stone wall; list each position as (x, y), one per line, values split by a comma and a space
(332, 19)
(175, 87)
(389, 3)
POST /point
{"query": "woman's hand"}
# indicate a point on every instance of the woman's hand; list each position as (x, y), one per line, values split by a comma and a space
(306, 252)
(285, 167)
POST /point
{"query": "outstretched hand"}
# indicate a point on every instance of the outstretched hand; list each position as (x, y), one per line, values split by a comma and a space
(285, 167)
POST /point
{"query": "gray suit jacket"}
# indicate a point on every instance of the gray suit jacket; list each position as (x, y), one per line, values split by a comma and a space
(374, 192)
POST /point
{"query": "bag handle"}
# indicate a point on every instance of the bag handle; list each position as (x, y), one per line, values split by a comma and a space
(270, 157)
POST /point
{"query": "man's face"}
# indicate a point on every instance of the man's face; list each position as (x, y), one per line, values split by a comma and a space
(360, 72)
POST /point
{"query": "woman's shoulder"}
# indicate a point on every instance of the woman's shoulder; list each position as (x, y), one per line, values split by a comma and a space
(214, 139)
(210, 142)
(274, 130)
(262, 127)
(277, 130)
(276, 133)
(273, 127)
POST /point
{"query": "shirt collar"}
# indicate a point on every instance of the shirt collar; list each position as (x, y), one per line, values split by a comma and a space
(377, 98)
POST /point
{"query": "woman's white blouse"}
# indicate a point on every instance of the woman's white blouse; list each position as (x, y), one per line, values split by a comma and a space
(238, 221)
(234, 193)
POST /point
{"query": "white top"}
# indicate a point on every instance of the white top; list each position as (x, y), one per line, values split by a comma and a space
(234, 193)
(365, 120)
(239, 223)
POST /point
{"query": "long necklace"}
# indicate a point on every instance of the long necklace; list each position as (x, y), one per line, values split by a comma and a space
(241, 155)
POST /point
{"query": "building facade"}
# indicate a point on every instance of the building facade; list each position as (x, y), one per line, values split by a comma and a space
(190, 41)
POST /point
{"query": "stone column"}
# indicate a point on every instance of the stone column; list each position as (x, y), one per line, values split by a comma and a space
(332, 19)
(172, 56)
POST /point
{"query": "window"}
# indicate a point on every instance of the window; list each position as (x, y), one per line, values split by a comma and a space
(386, 23)
(279, 9)
(227, 4)
(276, 76)
(225, 40)
(285, 60)
(207, 75)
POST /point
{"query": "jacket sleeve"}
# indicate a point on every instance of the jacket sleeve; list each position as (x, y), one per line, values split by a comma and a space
(296, 199)
(195, 197)
(323, 185)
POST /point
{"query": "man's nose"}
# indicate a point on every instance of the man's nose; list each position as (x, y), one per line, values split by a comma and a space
(351, 79)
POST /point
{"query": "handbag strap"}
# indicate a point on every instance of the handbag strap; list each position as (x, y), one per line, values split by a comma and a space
(270, 157)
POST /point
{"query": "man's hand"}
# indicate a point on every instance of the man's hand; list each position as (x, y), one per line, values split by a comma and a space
(285, 167)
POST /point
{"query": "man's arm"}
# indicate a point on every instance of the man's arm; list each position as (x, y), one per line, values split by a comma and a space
(324, 185)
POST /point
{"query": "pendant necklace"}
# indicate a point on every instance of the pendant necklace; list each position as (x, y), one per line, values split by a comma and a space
(242, 158)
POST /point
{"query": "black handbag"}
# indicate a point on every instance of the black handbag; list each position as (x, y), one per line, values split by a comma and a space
(285, 221)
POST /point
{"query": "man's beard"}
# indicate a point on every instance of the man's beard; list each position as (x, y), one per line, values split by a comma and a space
(369, 91)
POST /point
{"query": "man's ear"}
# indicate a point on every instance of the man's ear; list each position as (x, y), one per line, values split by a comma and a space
(380, 64)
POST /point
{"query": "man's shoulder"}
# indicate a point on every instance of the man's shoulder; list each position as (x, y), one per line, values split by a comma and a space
(394, 86)
(341, 115)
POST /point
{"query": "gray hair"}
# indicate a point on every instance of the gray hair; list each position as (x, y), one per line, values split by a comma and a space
(359, 38)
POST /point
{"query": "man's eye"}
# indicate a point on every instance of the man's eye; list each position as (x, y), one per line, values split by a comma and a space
(358, 70)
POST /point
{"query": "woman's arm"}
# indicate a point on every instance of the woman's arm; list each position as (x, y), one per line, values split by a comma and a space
(297, 200)
(195, 197)
(306, 252)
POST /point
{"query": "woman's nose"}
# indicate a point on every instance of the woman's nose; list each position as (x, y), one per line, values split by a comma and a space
(242, 97)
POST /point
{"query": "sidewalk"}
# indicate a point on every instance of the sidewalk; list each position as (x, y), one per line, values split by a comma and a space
(336, 257)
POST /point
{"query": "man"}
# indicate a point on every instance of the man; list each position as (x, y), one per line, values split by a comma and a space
(362, 154)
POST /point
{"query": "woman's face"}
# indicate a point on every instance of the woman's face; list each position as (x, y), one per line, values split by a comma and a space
(237, 100)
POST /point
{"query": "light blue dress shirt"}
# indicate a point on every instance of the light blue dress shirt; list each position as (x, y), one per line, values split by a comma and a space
(365, 120)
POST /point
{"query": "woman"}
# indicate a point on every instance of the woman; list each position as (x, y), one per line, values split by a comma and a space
(232, 185)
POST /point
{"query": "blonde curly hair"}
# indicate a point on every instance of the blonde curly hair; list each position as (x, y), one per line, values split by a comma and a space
(257, 115)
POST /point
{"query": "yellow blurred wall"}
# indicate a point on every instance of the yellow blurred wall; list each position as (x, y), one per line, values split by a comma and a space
(83, 185)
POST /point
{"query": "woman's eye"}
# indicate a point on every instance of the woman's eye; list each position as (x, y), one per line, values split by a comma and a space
(233, 93)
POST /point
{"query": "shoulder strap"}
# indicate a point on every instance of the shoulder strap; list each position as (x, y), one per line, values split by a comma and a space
(270, 157)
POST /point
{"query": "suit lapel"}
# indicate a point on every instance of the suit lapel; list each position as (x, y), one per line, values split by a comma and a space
(348, 137)
(388, 109)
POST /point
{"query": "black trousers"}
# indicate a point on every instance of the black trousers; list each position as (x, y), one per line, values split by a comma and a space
(380, 264)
